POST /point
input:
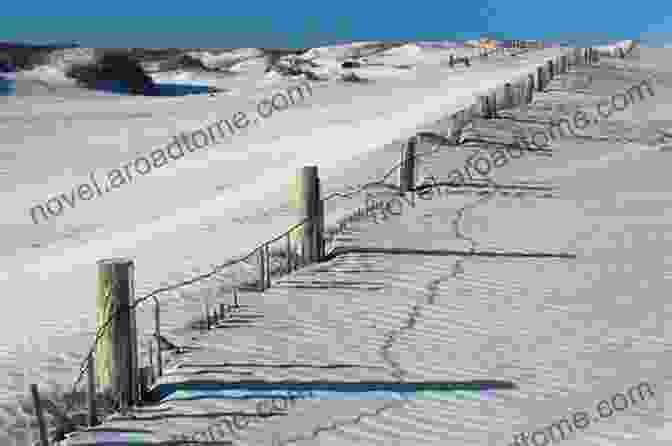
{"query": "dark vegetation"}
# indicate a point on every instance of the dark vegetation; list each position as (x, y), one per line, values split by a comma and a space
(295, 66)
(25, 56)
(121, 71)
(274, 55)
(113, 68)
(179, 62)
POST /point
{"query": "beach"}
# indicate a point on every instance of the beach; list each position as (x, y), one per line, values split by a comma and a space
(558, 328)
(222, 202)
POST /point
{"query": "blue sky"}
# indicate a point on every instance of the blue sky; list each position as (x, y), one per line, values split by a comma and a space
(298, 23)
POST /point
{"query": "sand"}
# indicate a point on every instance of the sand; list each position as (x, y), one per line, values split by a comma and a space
(352, 132)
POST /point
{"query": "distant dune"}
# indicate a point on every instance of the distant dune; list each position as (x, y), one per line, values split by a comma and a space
(136, 71)
(26, 56)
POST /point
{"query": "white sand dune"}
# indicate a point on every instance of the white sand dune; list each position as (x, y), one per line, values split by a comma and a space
(571, 333)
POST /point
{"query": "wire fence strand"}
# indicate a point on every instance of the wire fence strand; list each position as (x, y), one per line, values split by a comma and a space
(351, 192)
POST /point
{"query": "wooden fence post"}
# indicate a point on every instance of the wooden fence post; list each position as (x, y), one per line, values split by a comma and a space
(508, 96)
(540, 78)
(319, 237)
(150, 353)
(44, 440)
(483, 100)
(268, 267)
(310, 185)
(493, 104)
(521, 94)
(457, 123)
(117, 348)
(206, 313)
(262, 268)
(93, 412)
(157, 337)
(235, 297)
(407, 170)
(530, 88)
(288, 253)
(146, 376)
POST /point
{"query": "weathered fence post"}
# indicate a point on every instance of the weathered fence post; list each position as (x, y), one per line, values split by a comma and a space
(262, 268)
(268, 266)
(456, 127)
(310, 186)
(508, 96)
(92, 416)
(319, 237)
(206, 313)
(483, 100)
(157, 337)
(235, 297)
(44, 440)
(407, 170)
(493, 104)
(146, 376)
(117, 348)
(289, 254)
(540, 78)
(150, 353)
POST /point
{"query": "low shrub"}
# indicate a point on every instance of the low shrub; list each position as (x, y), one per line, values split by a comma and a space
(111, 71)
